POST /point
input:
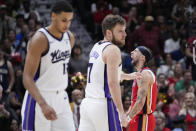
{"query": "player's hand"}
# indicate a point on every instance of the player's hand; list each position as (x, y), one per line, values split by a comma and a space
(136, 75)
(123, 119)
(48, 112)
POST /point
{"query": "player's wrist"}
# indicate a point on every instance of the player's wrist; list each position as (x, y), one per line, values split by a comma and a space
(42, 103)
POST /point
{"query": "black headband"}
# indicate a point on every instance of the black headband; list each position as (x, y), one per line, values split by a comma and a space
(146, 52)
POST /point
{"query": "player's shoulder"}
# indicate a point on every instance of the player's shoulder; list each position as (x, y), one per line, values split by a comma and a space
(72, 38)
(38, 37)
(111, 48)
(38, 41)
(147, 74)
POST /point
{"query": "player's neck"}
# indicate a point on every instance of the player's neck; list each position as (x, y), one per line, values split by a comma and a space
(53, 31)
(106, 39)
(139, 67)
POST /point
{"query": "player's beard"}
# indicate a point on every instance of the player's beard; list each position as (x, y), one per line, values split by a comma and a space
(116, 42)
(135, 62)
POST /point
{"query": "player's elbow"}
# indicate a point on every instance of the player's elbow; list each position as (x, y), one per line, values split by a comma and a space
(112, 84)
(26, 79)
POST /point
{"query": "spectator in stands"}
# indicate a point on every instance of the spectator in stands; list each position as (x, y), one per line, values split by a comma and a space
(115, 11)
(77, 62)
(124, 8)
(160, 21)
(14, 125)
(160, 121)
(167, 66)
(98, 16)
(174, 109)
(162, 83)
(15, 44)
(25, 9)
(167, 31)
(6, 74)
(19, 23)
(34, 15)
(6, 22)
(181, 12)
(126, 102)
(133, 22)
(77, 97)
(185, 83)
(4, 114)
(18, 86)
(192, 25)
(189, 111)
(178, 75)
(23, 38)
(149, 36)
(15, 105)
(32, 25)
(172, 46)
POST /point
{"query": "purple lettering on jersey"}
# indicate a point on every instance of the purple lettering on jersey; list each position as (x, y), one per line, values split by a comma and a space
(59, 55)
(94, 54)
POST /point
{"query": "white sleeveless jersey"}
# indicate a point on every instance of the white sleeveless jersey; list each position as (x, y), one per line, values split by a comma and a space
(97, 72)
(52, 72)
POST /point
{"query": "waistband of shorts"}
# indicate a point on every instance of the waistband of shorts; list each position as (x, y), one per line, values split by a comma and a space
(53, 91)
(98, 99)
(145, 114)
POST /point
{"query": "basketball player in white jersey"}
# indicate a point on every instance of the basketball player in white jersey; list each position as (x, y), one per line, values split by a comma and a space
(46, 105)
(102, 106)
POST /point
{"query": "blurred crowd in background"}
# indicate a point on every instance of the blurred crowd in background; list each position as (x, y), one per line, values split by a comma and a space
(167, 27)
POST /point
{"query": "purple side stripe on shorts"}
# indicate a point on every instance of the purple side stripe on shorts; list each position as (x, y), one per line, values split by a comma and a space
(29, 116)
(114, 123)
(25, 112)
(113, 118)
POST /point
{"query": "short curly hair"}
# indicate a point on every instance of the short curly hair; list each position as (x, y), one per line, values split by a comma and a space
(110, 21)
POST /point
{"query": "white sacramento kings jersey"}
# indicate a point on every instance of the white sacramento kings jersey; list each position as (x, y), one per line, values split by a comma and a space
(97, 73)
(52, 72)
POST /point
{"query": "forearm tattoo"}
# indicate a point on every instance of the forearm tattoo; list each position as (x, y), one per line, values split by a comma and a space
(139, 103)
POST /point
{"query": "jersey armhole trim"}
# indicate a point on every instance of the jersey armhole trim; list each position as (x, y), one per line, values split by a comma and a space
(151, 74)
(105, 47)
(68, 35)
(46, 51)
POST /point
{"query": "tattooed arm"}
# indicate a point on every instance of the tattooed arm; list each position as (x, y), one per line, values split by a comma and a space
(141, 94)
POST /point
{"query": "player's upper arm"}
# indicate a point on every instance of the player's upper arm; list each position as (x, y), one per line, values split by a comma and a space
(72, 38)
(112, 58)
(36, 47)
(144, 84)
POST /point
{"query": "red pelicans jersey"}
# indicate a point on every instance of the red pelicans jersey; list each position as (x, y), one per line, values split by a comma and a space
(151, 99)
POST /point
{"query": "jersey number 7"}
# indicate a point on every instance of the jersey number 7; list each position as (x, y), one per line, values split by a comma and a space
(90, 65)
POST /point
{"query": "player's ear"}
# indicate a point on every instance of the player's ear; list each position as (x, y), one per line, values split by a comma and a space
(109, 33)
(53, 16)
